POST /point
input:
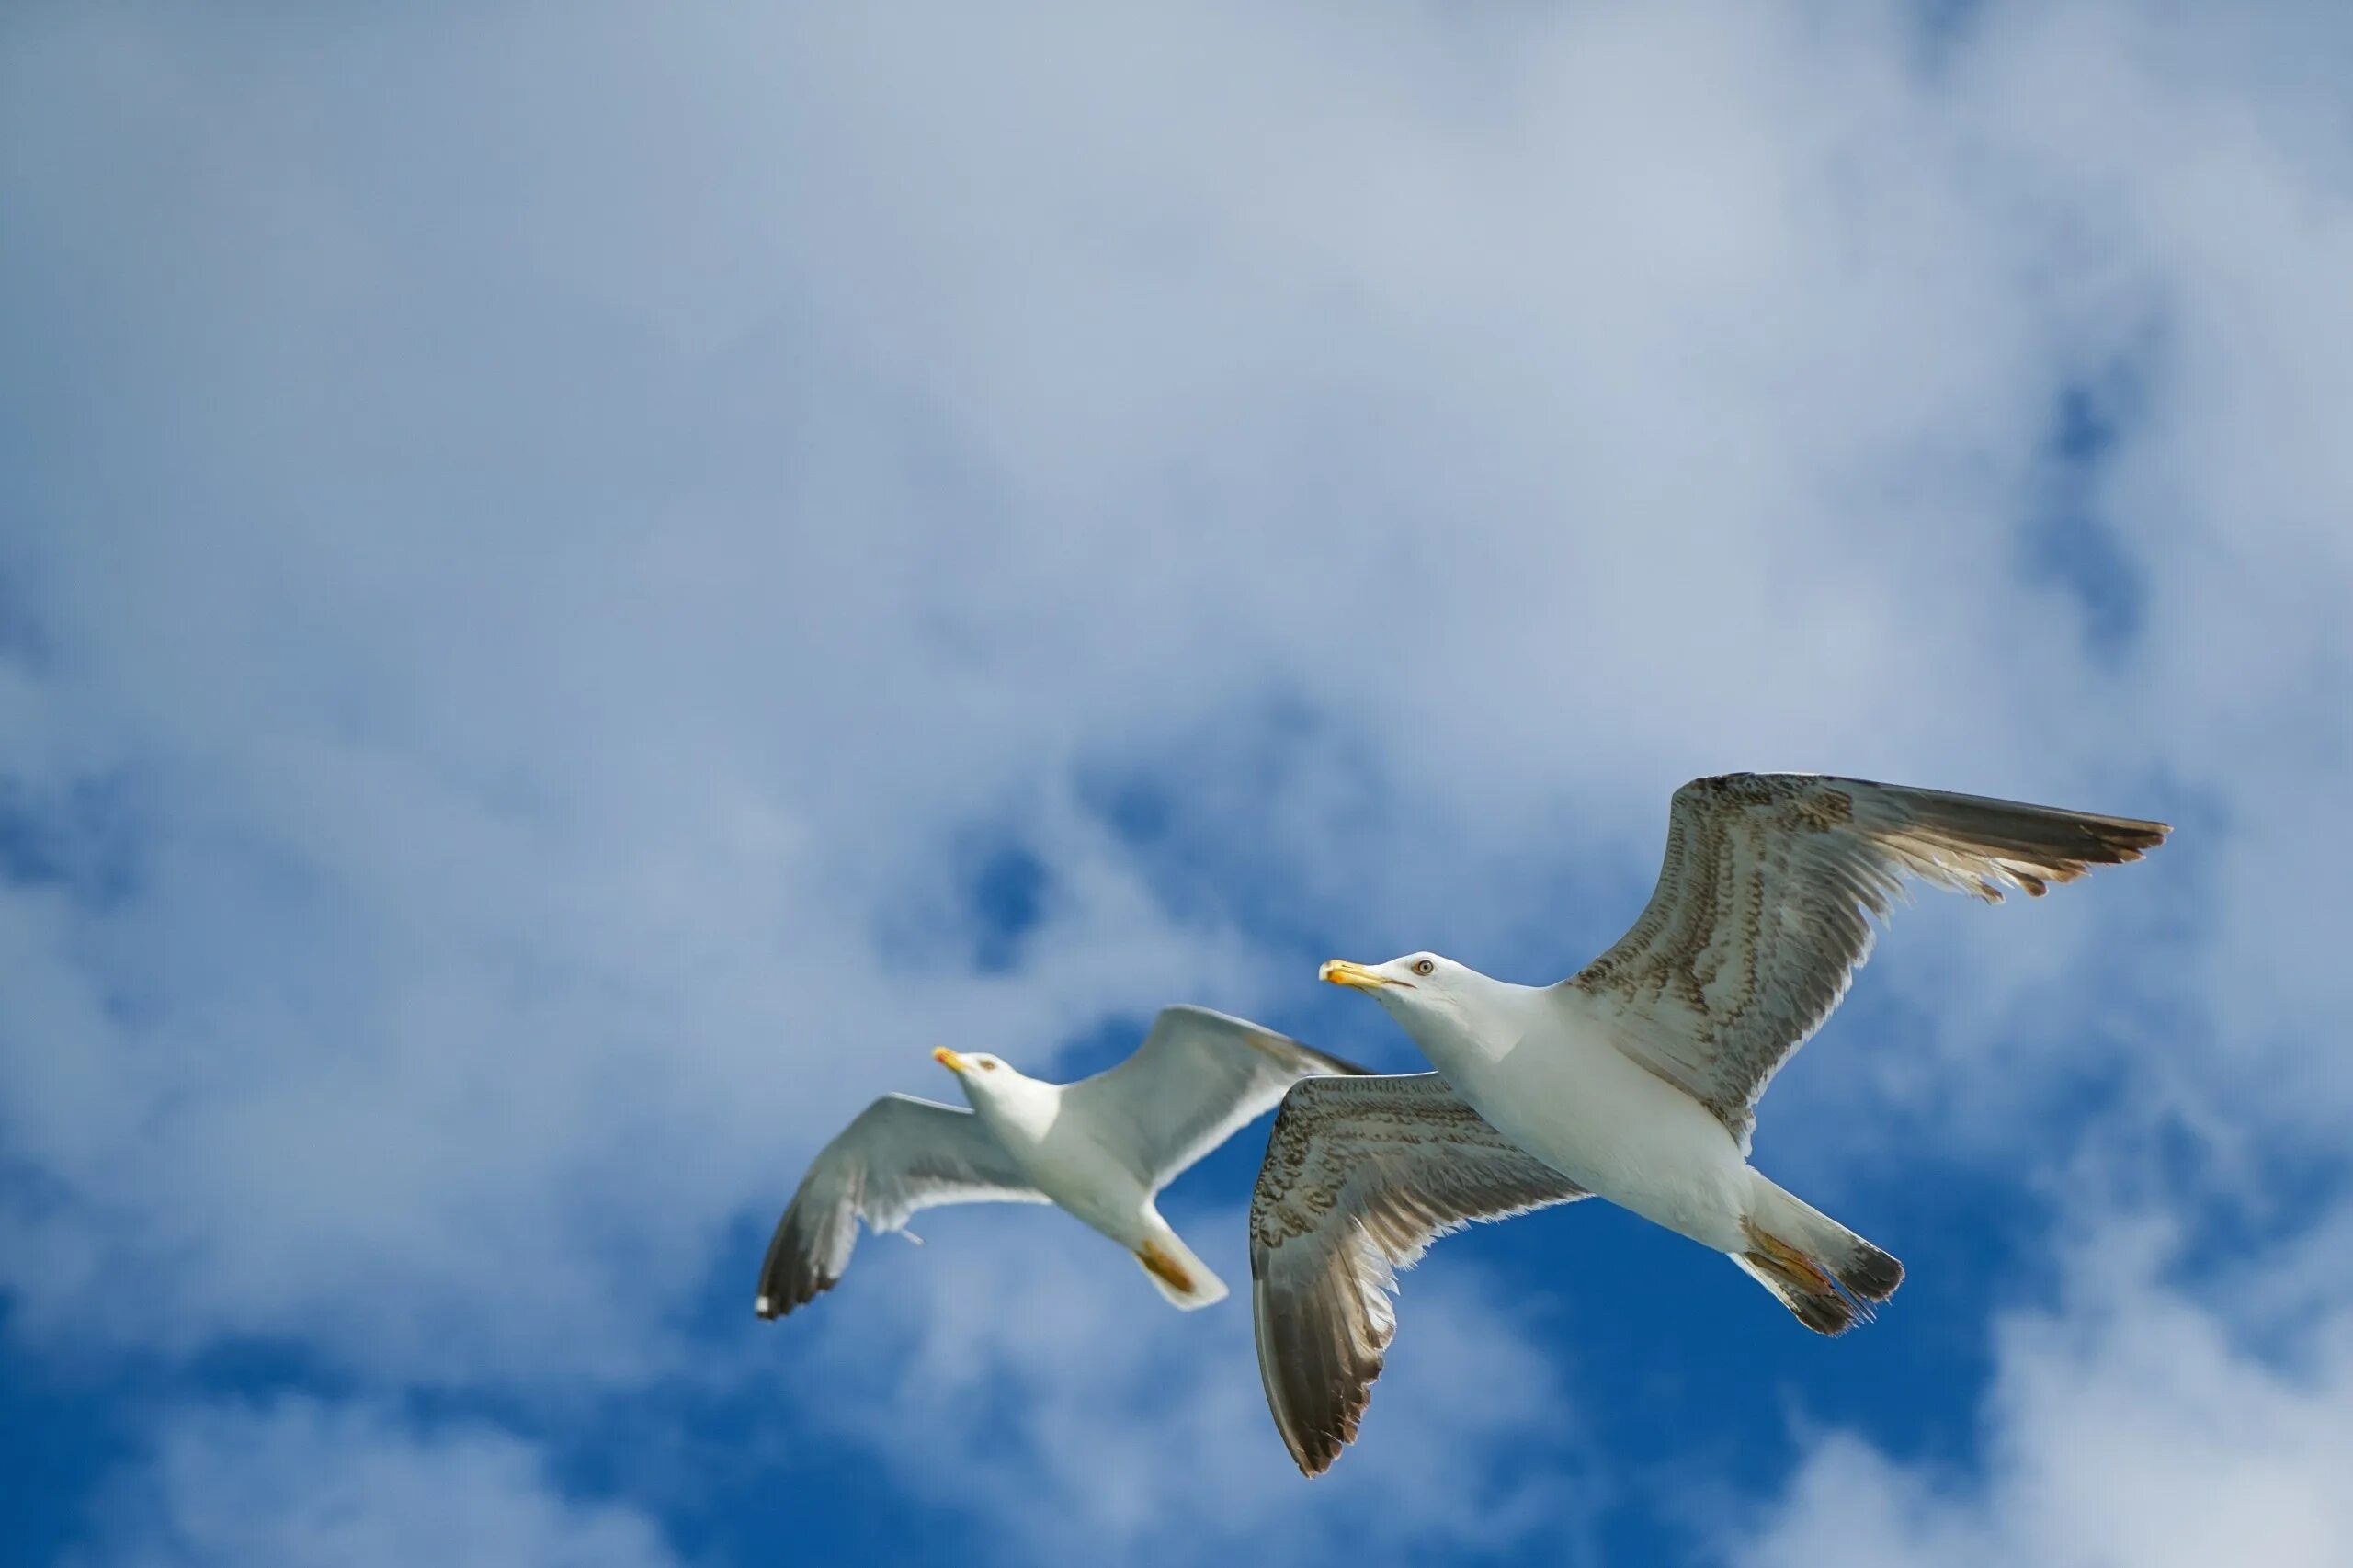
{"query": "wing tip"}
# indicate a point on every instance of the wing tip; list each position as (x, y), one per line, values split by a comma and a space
(1317, 1450)
(2124, 838)
(782, 1301)
(2113, 841)
(1335, 1066)
(1336, 1393)
(1293, 1053)
(2018, 845)
(1314, 1462)
(792, 1278)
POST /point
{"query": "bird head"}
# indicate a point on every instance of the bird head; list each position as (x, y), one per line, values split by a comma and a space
(983, 1076)
(1411, 988)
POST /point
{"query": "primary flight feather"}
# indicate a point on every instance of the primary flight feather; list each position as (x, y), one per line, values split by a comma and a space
(1634, 1080)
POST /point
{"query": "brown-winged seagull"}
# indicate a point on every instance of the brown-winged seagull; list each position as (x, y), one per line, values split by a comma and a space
(1635, 1080)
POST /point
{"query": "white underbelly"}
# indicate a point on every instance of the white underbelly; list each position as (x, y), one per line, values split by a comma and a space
(1089, 1183)
(1617, 1131)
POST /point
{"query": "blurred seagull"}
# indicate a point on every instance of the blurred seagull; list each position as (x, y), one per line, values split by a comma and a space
(1101, 1148)
(1636, 1079)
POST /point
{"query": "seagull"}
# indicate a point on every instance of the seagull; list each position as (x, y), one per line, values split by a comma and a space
(1635, 1080)
(1101, 1148)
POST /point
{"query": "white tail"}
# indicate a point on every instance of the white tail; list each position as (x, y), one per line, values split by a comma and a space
(1826, 1275)
(1184, 1279)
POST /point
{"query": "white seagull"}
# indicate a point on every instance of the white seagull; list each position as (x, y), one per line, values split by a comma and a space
(1635, 1080)
(1101, 1148)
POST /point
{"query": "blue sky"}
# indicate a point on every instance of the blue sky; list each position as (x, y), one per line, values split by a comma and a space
(577, 590)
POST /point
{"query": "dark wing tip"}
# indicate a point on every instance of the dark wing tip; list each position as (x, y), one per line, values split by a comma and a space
(794, 1272)
(1339, 1066)
(2105, 841)
(2131, 840)
(2036, 845)
(1298, 1054)
(2113, 840)
(1318, 1448)
(1317, 1388)
(796, 1286)
(780, 1301)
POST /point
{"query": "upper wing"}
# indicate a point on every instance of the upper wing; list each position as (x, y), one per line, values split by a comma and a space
(899, 1155)
(1361, 1174)
(1198, 1078)
(1762, 912)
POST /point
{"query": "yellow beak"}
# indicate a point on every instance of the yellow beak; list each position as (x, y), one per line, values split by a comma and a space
(949, 1059)
(1340, 971)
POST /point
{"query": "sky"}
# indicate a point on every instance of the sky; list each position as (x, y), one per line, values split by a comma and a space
(580, 586)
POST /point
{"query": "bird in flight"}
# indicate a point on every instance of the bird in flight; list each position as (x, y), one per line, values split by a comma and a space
(1636, 1079)
(1101, 1148)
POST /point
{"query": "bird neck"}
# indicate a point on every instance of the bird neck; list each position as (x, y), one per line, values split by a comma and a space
(1017, 1109)
(1482, 1021)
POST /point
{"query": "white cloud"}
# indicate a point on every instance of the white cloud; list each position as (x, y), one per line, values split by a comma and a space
(1041, 1387)
(2136, 1424)
(557, 578)
(301, 1482)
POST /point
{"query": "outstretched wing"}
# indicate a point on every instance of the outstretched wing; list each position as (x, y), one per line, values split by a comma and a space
(900, 1154)
(1763, 911)
(1198, 1078)
(1361, 1174)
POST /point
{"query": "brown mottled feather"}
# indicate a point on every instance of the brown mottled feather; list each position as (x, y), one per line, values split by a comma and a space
(1764, 908)
(1360, 1176)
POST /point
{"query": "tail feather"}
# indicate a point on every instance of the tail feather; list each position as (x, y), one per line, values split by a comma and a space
(1829, 1277)
(1813, 1298)
(1173, 1268)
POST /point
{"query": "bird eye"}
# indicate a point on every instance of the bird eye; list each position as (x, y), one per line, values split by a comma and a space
(1425, 966)
(988, 1064)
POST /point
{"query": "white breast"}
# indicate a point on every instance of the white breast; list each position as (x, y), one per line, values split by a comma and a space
(1067, 1162)
(1601, 1119)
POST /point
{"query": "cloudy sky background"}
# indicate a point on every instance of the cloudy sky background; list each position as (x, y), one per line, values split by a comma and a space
(578, 587)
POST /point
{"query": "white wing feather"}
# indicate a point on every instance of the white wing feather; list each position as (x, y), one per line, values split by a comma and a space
(900, 1155)
(1198, 1077)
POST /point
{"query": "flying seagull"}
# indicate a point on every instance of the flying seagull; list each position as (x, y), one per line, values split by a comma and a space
(1101, 1148)
(1636, 1079)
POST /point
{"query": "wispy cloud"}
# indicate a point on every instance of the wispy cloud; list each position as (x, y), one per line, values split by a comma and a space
(549, 558)
(1037, 1385)
(303, 1482)
(2137, 1422)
